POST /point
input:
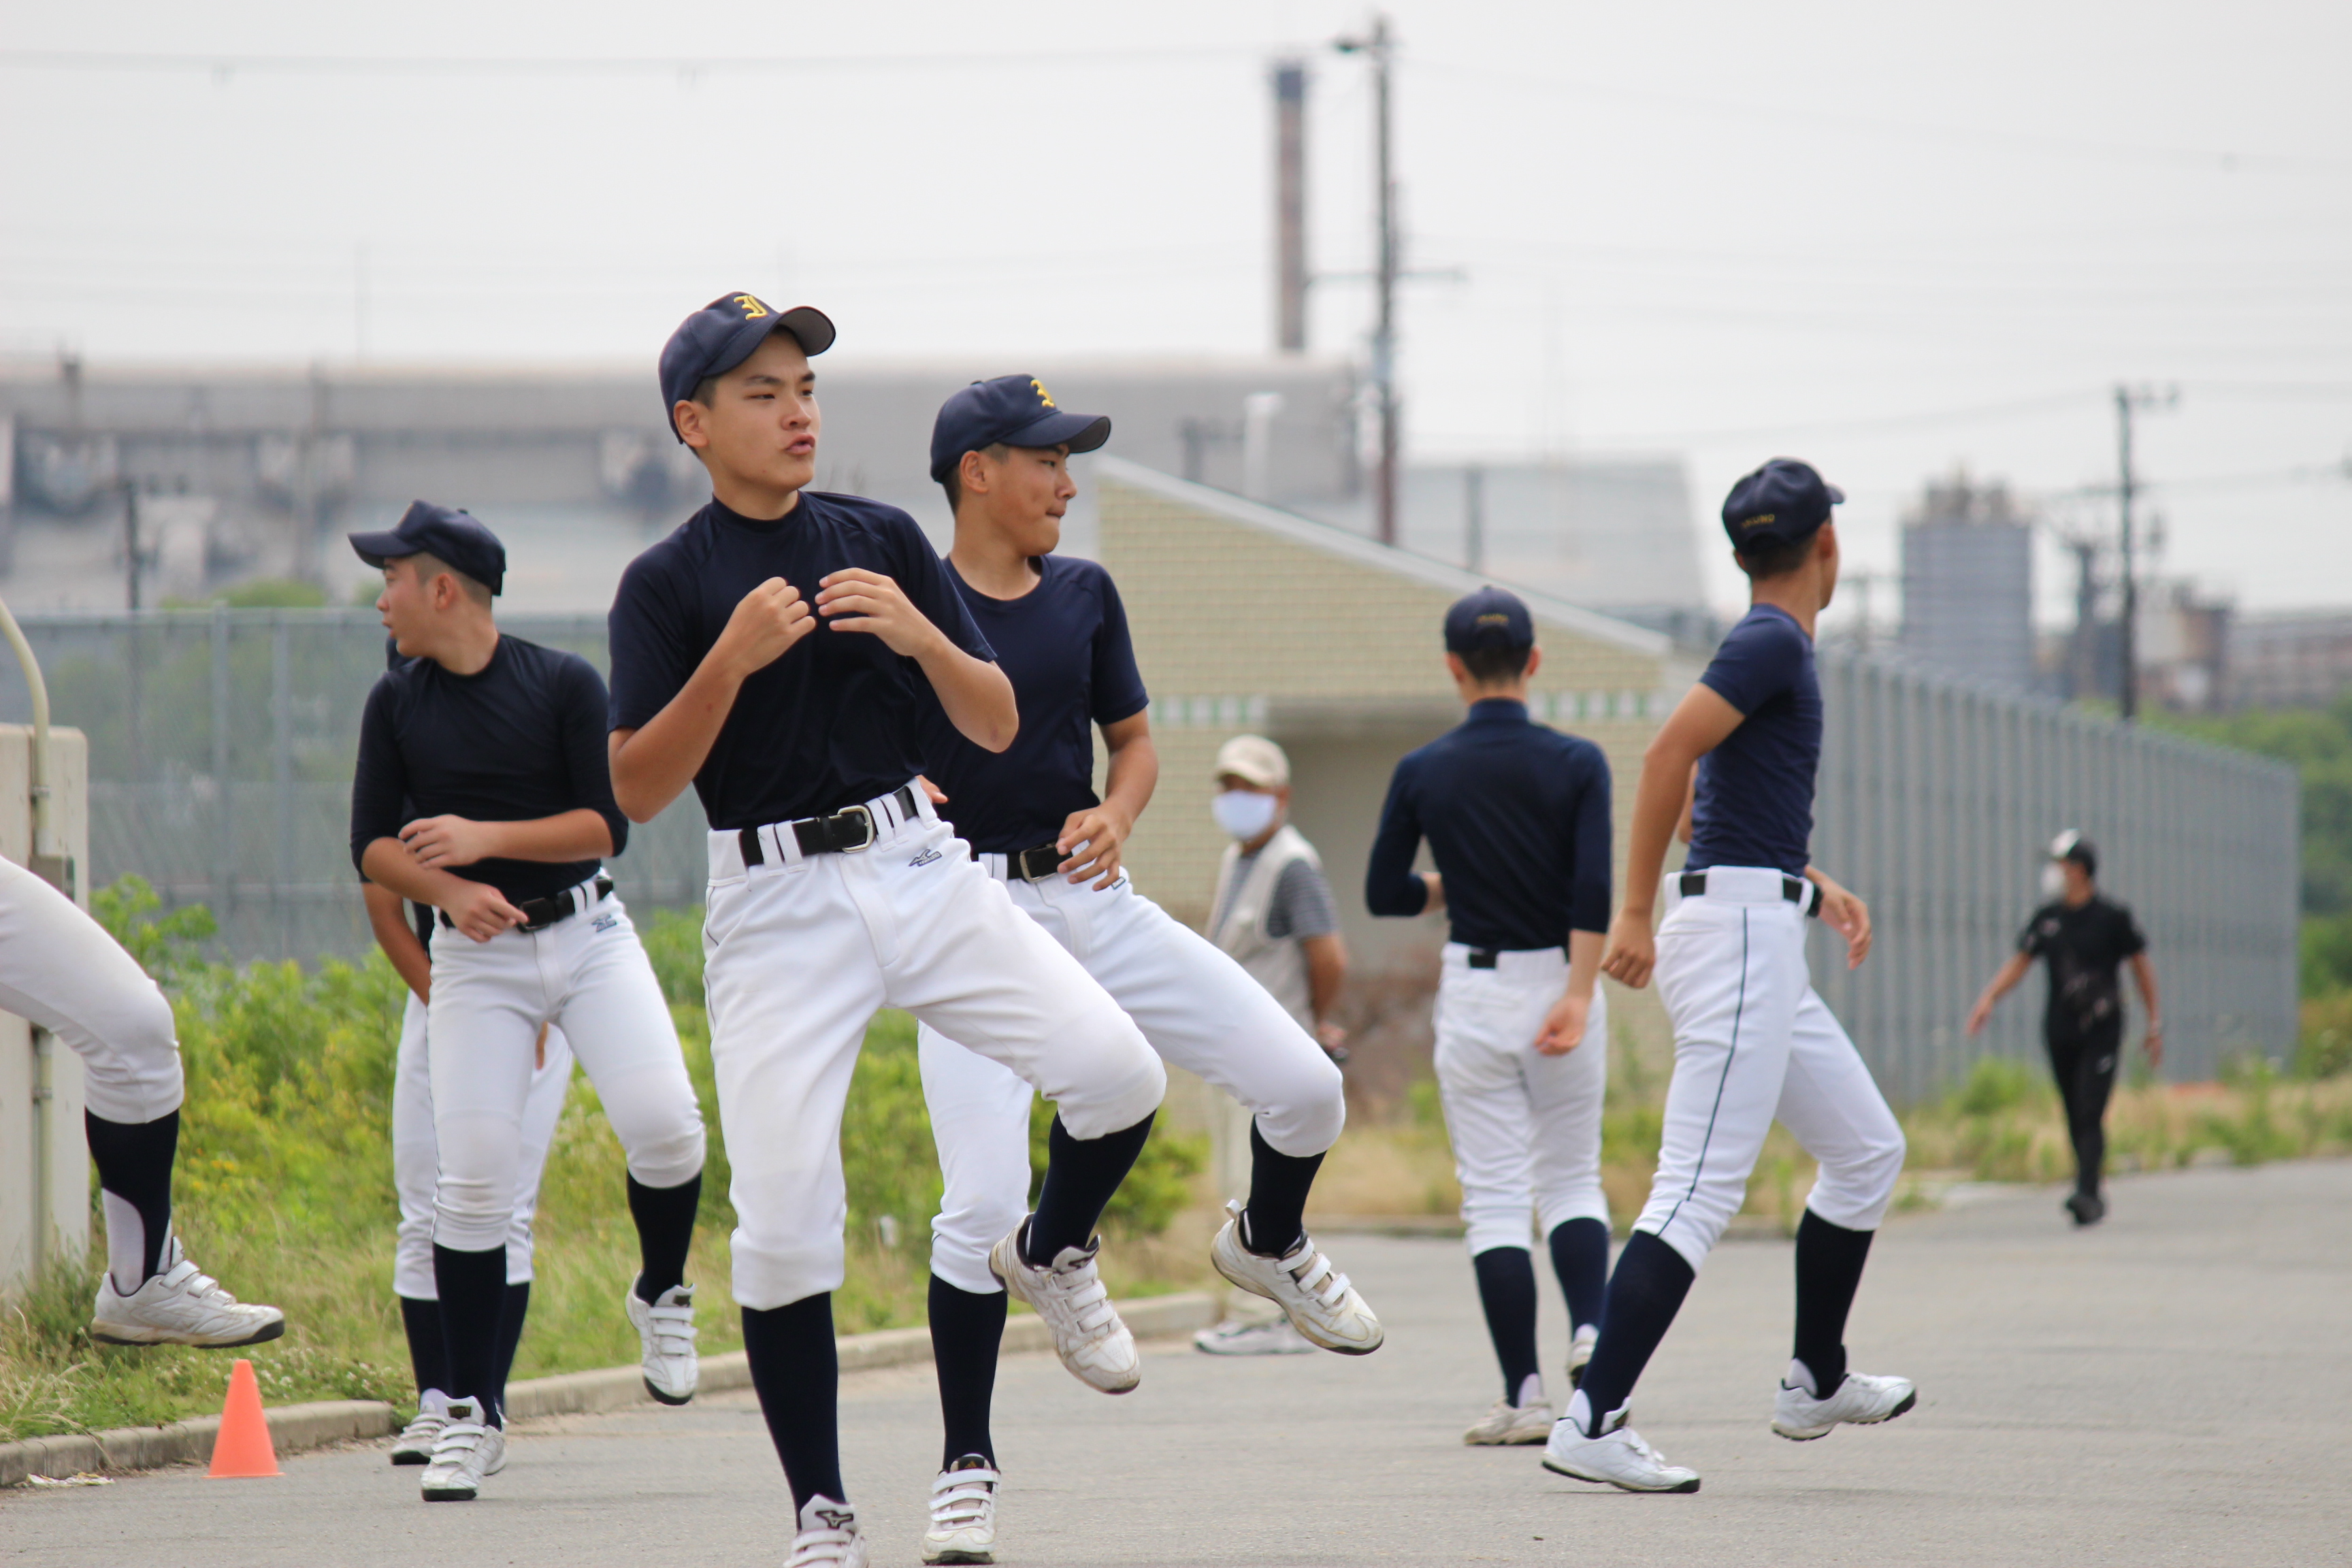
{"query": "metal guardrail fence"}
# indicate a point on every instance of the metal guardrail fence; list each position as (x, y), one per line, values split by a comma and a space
(1935, 804)
(222, 740)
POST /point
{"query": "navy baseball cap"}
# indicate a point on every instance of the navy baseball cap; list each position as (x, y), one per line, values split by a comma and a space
(457, 537)
(1781, 503)
(1014, 409)
(1491, 617)
(722, 334)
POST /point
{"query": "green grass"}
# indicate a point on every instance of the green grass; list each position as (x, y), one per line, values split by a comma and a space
(283, 1191)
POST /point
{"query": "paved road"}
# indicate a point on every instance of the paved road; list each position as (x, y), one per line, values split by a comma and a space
(2172, 1387)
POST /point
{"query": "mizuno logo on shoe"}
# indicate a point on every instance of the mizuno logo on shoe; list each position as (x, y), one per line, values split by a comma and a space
(837, 1518)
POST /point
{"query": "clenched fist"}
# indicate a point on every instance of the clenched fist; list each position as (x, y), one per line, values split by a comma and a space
(772, 617)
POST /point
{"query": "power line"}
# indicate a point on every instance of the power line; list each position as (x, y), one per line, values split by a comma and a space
(2217, 160)
(227, 67)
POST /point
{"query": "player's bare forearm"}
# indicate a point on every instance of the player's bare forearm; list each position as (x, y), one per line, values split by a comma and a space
(2144, 976)
(1843, 912)
(1103, 830)
(653, 765)
(976, 696)
(1698, 724)
(1565, 1022)
(388, 918)
(1584, 962)
(1326, 972)
(479, 910)
(443, 842)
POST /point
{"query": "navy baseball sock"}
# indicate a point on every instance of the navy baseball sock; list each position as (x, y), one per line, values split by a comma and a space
(1645, 1293)
(1579, 1255)
(1275, 1216)
(797, 1371)
(135, 1171)
(1829, 1271)
(512, 1309)
(967, 1331)
(473, 1287)
(1081, 1174)
(428, 1352)
(664, 1217)
(1506, 1288)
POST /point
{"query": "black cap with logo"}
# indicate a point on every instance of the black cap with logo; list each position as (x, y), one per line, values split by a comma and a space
(1781, 503)
(457, 537)
(722, 334)
(1491, 617)
(1014, 409)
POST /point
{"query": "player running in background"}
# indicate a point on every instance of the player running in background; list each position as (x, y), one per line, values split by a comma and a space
(2086, 938)
(1517, 816)
(1001, 450)
(778, 652)
(1752, 1040)
(484, 754)
(416, 1173)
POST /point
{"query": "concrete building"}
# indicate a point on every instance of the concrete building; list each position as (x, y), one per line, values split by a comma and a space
(259, 473)
(2290, 658)
(1968, 586)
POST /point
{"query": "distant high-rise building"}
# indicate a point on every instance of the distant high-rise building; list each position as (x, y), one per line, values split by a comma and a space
(1967, 584)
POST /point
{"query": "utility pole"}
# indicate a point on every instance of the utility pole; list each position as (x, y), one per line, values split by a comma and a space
(1290, 205)
(1376, 45)
(1474, 517)
(2128, 399)
(130, 541)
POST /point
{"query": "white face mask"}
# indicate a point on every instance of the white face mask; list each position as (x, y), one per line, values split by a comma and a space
(1243, 813)
(2053, 881)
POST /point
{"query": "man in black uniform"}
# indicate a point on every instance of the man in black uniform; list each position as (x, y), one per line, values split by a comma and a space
(1517, 816)
(485, 752)
(2086, 940)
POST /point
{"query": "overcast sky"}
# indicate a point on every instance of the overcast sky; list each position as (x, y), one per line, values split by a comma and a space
(1892, 240)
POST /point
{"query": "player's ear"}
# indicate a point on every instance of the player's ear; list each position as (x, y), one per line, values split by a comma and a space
(1535, 662)
(1455, 667)
(688, 415)
(974, 471)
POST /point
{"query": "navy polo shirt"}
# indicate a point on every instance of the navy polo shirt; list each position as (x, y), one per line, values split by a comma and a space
(1755, 800)
(1064, 646)
(1517, 816)
(522, 740)
(836, 720)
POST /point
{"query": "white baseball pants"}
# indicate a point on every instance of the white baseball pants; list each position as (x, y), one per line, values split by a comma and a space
(1526, 1126)
(1196, 1007)
(60, 969)
(587, 975)
(417, 1153)
(802, 949)
(1753, 1042)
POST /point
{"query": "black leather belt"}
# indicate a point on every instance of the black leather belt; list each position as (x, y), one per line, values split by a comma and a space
(843, 832)
(1035, 864)
(538, 914)
(1483, 957)
(1804, 894)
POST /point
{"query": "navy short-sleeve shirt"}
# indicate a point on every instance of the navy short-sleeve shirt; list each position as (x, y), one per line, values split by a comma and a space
(834, 722)
(1755, 800)
(1064, 646)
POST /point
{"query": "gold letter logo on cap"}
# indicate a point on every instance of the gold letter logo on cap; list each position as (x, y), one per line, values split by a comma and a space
(752, 309)
(1043, 396)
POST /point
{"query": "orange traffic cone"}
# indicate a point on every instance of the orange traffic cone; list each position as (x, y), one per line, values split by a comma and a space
(242, 1447)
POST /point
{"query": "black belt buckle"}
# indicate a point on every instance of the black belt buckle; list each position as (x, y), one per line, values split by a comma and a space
(1483, 957)
(1035, 864)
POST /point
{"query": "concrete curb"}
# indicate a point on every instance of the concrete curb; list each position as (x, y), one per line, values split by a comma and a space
(294, 1427)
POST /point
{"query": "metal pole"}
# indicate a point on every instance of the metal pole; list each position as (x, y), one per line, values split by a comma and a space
(1384, 340)
(1474, 517)
(1290, 205)
(131, 543)
(224, 822)
(2127, 695)
(281, 747)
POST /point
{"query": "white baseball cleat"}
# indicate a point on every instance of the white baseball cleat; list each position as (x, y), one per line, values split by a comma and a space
(1618, 1457)
(181, 1306)
(1507, 1423)
(828, 1538)
(1580, 1352)
(1861, 1399)
(1317, 1299)
(468, 1449)
(1069, 1295)
(963, 1513)
(666, 1334)
(414, 1444)
(1277, 1338)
